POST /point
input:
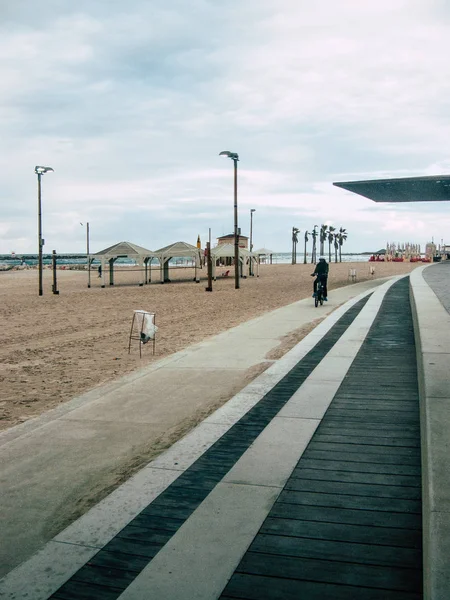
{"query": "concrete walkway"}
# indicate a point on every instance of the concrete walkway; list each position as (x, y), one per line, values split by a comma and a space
(51, 466)
(430, 298)
(180, 527)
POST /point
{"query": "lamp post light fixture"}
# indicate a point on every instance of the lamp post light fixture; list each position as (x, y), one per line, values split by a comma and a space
(252, 210)
(234, 157)
(39, 172)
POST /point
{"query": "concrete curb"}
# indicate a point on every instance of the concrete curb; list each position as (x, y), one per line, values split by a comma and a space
(432, 335)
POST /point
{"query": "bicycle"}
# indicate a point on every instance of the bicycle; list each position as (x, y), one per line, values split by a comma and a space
(318, 298)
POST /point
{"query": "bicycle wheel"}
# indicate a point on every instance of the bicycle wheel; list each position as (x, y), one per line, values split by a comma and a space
(321, 299)
(316, 300)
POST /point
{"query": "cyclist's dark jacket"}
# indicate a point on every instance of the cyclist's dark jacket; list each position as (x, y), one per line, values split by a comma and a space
(321, 269)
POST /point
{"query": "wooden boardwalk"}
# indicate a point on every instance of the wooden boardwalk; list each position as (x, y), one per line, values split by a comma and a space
(348, 522)
(114, 567)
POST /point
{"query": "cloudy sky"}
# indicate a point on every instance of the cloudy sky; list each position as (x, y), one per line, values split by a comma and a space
(131, 103)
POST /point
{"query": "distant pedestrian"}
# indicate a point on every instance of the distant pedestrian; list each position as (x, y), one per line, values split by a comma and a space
(100, 270)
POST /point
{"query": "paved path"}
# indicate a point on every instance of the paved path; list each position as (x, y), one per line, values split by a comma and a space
(348, 521)
(438, 278)
(143, 538)
(53, 465)
(306, 483)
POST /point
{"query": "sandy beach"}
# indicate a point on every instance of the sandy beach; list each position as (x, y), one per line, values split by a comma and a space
(56, 347)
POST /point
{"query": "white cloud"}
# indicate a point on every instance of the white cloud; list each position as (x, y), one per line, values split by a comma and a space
(132, 104)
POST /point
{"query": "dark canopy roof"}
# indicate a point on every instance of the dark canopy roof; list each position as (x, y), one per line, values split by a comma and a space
(407, 189)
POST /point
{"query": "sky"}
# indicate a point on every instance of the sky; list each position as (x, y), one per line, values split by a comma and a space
(131, 103)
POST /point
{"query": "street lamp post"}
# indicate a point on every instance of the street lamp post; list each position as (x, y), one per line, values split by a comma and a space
(314, 248)
(87, 254)
(234, 157)
(252, 210)
(39, 172)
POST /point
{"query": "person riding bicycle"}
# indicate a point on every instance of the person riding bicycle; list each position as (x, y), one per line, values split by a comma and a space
(321, 273)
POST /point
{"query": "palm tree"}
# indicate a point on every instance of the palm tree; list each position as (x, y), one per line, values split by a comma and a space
(342, 236)
(323, 237)
(336, 246)
(330, 240)
(306, 241)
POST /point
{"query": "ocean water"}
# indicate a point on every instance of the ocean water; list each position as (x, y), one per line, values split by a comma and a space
(286, 257)
(277, 258)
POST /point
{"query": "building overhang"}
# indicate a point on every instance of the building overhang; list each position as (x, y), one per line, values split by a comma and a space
(434, 188)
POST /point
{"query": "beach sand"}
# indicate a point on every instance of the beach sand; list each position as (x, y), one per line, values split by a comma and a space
(56, 347)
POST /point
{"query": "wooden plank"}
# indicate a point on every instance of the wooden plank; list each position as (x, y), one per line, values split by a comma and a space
(253, 587)
(117, 560)
(388, 428)
(366, 448)
(157, 523)
(356, 477)
(327, 514)
(354, 489)
(352, 466)
(135, 547)
(348, 501)
(105, 576)
(377, 405)
(145, 534)
(340, 551)
(361, 457)
(368, 576)
(343, 532)
(392, 441)
(164, 511)
(371, 416)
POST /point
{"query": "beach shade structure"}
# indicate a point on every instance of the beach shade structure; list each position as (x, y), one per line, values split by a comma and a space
(223, 251)
(434, 188)
(142, 257)
(265, 254)
(178, 250)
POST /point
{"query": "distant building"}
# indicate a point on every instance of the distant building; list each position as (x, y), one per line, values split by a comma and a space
(430, 250)
(229, 239)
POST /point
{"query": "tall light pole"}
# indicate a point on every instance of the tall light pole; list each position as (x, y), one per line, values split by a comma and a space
(252, 210)
(87, 253)
(314, 248)
(295, 232)
(234, 157)
(39, 172)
